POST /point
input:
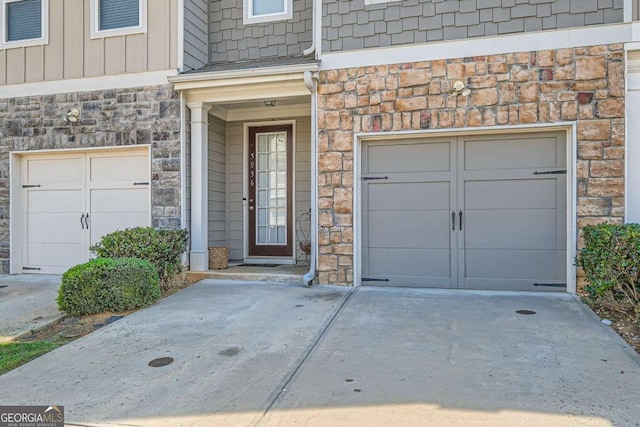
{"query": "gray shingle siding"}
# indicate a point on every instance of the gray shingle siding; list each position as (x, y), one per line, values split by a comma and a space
(195, 34)
(231, 40)
(349, 24)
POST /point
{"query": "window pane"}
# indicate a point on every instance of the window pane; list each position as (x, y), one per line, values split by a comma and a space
(24, 20)
(116, 14)
(267, 7)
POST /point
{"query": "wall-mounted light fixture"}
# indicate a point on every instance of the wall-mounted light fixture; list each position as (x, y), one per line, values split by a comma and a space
(73, 115)
(459, 88)
(270, 103)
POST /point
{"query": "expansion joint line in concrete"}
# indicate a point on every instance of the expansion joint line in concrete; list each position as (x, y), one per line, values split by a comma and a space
(294, 371)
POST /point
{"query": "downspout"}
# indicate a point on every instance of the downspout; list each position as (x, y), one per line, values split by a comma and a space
(314, 28)
(309, 81)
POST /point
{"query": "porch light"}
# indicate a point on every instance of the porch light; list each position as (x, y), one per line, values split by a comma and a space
(73, 115)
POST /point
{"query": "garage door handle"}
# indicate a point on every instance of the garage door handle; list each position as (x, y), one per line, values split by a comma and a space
(460, 220)
(81, 221)
(86, 221)
(453, 221)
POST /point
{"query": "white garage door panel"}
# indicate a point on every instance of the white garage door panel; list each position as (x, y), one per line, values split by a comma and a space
(54, 258)
(120, 200)
(510, 229)
(54, 227)
(514, 264)
(409, 229)
(54, 170)
(54, 201)
(522, 153)
(119, 168)
(510, 194)
(427, 157)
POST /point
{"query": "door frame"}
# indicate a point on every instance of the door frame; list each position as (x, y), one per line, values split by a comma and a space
(570, 128)
(245, 192)
(15, 192)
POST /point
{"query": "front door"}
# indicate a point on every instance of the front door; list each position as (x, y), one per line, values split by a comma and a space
(270, 196)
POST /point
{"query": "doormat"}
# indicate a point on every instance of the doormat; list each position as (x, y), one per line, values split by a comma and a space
(259, 265)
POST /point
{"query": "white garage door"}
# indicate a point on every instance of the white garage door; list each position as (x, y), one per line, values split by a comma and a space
(71, 200)
(468, 212)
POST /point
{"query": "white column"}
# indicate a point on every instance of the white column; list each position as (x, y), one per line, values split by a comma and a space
(199, 254)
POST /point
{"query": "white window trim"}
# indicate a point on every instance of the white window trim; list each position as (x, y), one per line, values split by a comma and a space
(95, 23)
(249, 18)
(4, 44)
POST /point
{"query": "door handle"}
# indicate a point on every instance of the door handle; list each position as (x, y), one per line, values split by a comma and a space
(453, 221)
(459, 214)
(86, 221)
(81, 221)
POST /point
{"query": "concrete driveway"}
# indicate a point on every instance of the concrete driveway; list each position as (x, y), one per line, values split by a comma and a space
(27, 302)
(266, 354)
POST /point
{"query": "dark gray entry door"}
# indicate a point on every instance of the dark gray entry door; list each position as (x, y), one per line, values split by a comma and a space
(471, 212)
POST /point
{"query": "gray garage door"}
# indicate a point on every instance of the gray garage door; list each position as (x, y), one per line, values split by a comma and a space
(485, 212)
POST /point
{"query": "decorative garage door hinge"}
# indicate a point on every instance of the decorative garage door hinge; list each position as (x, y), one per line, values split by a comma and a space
(368, 279)
(32, 268)
(373, 178)
(563, 172)
(551, 285)
(31, 186)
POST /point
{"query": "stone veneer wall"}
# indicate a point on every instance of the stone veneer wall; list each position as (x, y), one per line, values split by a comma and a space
(141, 115)
(583, 85)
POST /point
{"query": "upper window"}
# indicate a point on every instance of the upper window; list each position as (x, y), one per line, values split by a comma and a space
(117, 17)
(258, 11)
(24, 22)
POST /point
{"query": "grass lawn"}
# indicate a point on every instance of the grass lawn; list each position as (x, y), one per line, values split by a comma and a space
(14, 354)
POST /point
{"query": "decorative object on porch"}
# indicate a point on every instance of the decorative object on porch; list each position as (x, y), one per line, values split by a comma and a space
(218, 258)
(303, 234)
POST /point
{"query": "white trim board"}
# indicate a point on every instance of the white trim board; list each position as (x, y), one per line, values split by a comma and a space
(481, 46)
(149, 78)
(572, 155)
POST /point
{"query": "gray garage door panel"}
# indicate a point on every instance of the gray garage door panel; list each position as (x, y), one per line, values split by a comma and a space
(521, 153)
(511, 194)
(411, 267)
(409, 229)
(400, 196)
(408, 157)
(510, 229)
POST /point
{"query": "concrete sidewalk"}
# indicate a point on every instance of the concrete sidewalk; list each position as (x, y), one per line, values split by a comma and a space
(27, 302)
(279, 355)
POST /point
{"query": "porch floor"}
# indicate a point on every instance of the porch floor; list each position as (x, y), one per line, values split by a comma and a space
(278, 274)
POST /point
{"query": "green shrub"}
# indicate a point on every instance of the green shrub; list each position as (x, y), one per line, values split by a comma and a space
(611, 262)
(106, 284)
(163, 248)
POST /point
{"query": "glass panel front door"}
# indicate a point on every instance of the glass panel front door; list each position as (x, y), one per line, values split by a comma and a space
(270, 191)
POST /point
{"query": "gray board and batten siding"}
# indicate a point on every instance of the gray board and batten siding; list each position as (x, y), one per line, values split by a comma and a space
(231, 40)
(196, 34)
(351, 25)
